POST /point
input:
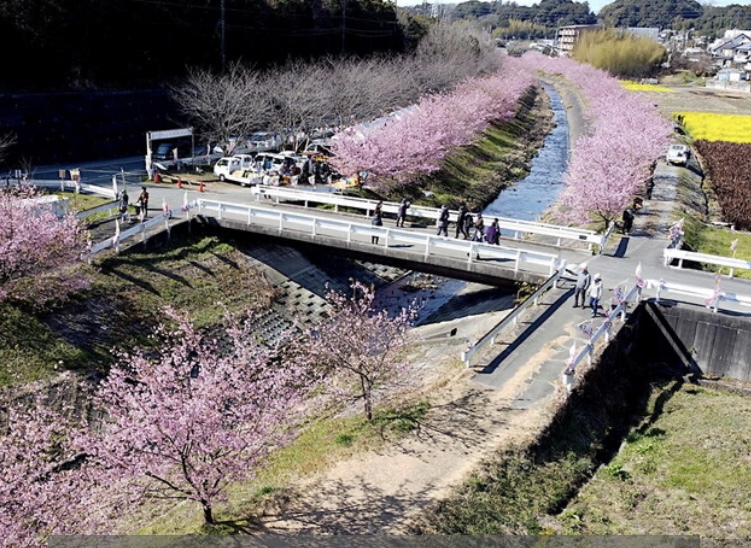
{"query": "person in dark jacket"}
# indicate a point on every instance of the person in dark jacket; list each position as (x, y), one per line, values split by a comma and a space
(461, 228)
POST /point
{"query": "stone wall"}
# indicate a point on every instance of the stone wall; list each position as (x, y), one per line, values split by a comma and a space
(718, 344)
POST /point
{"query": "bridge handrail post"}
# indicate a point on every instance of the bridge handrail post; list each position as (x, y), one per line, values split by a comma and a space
(428, 243)
(471, 253)
(349, 232)
(221, 211)
(281, 222)
(314, 232)
(518, 260)
(590, 349)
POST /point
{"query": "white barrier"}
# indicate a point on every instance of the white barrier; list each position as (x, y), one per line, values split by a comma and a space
(140, 228)
(64, 185)
(433, 245)
(712, 298)
(279, 194)
(604, 330)
(513, 317)
(681, 255)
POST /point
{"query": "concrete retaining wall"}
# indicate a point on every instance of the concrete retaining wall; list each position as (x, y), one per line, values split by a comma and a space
(720, 344)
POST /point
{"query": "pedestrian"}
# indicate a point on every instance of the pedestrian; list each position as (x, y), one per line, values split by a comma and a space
(401, 213)
(469, 225)
(143, 203)
(443, 221)
(583, 279)
(376, 221)
(479, 229)
(595, 294)
(493, 233)
(460, 226)
(628, 220)
(124, 203)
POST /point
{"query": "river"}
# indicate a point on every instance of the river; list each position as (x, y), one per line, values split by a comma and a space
(527, 199)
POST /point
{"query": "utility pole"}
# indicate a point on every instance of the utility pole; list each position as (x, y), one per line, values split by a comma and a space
(223, 51)
(344, 25)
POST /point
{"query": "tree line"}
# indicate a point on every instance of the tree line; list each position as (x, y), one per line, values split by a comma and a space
(540, 20)
(299, 97)
(87, 43)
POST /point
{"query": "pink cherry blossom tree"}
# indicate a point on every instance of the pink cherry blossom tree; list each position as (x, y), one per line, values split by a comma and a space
(39, 251)
(415, 140)
(612, 160)
(360, 347)
(41, 488)
(187, 421)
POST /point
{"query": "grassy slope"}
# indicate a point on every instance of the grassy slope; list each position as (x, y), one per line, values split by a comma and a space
(686, 473)
(123, 306)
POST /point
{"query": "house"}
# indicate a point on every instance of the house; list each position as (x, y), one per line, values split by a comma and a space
(569, 35)
(724, 50)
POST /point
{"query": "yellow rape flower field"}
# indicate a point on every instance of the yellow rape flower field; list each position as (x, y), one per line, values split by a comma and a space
(732, 128)
(635, 86)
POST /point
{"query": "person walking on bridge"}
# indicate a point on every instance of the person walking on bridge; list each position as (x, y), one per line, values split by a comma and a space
(583, 279)
(443, 221)
(461, 227)
(595, 294)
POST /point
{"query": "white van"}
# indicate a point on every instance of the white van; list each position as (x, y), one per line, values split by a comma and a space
(227, 166)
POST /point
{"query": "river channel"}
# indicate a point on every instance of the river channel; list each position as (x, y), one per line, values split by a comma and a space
(527, 199)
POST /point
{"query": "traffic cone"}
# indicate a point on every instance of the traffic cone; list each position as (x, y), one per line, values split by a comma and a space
(179, 182)
(200, 186)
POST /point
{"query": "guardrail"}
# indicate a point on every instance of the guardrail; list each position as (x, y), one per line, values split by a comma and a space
(279, 194)
(513, 317)
(670, 254)
(604, 330)
(64, 185)
(140, 228)
(350, 231)
(712, 298)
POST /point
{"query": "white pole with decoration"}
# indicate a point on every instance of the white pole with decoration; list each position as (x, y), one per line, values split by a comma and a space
(568, 373)
(116, 237)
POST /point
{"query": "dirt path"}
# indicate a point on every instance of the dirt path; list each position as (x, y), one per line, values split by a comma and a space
(382, 491)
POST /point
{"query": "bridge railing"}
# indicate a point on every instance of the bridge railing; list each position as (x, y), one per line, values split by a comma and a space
(517, 226)
(604, 331)
(512, 319)
(712, 298)
(681, 255)
(433, 245)
(165, 220)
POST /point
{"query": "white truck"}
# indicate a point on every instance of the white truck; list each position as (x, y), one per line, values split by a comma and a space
(240, 169)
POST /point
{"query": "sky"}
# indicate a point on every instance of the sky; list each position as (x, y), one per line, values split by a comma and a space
(594, 5)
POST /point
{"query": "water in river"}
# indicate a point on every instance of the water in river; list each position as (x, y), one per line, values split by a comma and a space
(526, 199)
(532, 196)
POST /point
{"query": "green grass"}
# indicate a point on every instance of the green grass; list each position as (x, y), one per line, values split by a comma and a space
(199, 276)
(687, 474)
(82, 202)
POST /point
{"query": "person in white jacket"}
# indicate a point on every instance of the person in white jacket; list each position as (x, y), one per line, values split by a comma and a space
(595, 294)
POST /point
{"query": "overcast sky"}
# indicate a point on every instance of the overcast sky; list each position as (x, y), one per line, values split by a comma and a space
(594, 5)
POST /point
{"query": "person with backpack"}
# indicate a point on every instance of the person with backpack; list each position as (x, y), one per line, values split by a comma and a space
(479, 232)
(124, 204)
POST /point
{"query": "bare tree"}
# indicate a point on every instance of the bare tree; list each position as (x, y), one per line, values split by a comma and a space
(235, 103)
(300, 97)
(6, 141)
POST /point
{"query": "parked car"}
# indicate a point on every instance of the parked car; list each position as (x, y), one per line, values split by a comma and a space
(264, 141)
(677, 155)
(226, 168)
